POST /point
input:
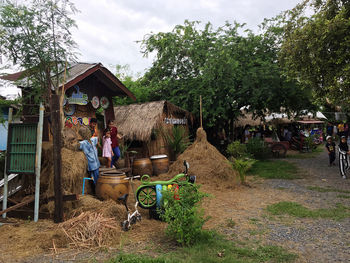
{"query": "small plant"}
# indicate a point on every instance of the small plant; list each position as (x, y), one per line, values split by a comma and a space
(242, 166)
(183, 214)
(230, 223)
(258, 148)
(237, 150)
(176, 140)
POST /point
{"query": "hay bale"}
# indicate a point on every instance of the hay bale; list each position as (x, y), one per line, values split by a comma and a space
(74, 169)
(206, 162)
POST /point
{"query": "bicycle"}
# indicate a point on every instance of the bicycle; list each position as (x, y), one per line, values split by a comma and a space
(146, 193)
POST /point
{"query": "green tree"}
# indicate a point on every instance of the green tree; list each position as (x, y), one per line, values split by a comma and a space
(36, 36)
(315, 49)
(229, 70)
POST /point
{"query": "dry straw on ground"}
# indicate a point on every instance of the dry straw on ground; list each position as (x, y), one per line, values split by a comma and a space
(206, 162)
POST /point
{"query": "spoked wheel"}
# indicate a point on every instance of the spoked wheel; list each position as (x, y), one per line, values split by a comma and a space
(147, 197)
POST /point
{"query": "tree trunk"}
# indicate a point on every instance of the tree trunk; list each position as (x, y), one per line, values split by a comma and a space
(57, 158)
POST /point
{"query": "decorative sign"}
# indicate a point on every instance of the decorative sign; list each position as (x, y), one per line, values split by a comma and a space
(77, 97)
(175, 121)
(69, 109)
(104, 102)
(95, 102)
(78, 120)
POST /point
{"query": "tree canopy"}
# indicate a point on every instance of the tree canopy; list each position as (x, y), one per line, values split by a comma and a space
(315, 50)
(230, 70)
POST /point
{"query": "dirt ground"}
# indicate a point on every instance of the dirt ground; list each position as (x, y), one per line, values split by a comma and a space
(237, 213)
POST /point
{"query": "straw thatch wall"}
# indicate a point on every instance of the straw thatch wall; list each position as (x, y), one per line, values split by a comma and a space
(142, 122)
(138, 121)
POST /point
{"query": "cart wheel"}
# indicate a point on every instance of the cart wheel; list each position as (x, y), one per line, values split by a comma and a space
(147, 197)
(279, 150)
(125, 225)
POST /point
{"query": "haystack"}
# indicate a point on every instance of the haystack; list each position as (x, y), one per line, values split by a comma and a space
(74, 169)
(206, 162)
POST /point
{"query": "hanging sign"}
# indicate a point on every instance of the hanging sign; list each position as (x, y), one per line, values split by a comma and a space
(95, 102)
(175, 121)
(77, 97)
(104, 102)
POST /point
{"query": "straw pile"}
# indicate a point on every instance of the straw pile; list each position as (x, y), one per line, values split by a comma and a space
(206, 162)
(91, 229)
(74, 168)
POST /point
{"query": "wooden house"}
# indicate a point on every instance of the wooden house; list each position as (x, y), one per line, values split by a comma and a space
(143, 125)
(89, 88)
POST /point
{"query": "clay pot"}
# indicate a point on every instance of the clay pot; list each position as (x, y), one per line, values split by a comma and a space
(160, 164)
(142, 166)
(112, 186)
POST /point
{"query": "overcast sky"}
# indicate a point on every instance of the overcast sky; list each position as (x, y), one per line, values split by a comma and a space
(108, 29)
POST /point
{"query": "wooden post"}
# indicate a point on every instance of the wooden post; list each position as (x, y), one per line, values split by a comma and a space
(5, 194)
(200, 110)
(57, 158)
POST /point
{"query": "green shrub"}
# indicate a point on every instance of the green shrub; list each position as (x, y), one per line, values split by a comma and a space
(237, 150)
(258, 148)
(177, 140)
(242, 166)
(185, 217)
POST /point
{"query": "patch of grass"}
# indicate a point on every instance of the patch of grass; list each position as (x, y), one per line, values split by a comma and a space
(325, 190)
(230, 223)
(315, 152)
(297, 210)
(276, 169)
(214, 248)
(343, 196)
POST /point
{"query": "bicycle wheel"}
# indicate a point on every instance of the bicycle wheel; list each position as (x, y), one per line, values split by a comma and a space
(147, 197)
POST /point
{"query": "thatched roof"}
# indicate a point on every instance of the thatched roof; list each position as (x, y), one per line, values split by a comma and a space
(137, 121)
(247, 119)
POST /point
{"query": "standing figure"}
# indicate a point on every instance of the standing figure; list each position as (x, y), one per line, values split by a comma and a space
(107, 151)
(115, 142)
(343, 157)
(93, 127)
(330, 145)
(88, 146)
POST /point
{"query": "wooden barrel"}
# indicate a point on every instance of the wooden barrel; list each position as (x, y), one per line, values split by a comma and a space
(142, 166)
(112, 186)
(160, 164)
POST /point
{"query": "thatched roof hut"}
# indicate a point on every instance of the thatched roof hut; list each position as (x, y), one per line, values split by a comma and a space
(139, 122)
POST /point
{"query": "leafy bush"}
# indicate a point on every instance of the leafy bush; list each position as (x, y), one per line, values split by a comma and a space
(184, 215)
(242, 166)
(258, 148)
(177, 140)
(237, 150)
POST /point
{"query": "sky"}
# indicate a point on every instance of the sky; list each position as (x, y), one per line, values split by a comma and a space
(108, 29)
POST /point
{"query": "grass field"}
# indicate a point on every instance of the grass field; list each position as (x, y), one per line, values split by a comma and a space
(274, 169)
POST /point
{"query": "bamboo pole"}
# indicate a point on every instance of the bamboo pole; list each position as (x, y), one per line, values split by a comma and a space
(200, 110)
(39, 137)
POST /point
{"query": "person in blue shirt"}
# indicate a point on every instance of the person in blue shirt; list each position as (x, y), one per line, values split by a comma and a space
(88, 146)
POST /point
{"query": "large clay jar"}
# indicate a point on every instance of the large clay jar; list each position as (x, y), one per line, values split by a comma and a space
(142, 166)
(160, 164)
(112, 186)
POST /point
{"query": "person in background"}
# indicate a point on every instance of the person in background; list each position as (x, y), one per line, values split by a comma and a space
(330, 145)
(247, 134)
(343, 157)
(88, 146)
(115, 137)
(329, 129)
(107, 151)
(93, 127)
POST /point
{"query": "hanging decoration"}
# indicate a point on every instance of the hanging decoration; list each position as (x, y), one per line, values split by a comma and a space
(95, 102)
(104, 102)
(77, 97)
(78, 120)
(69, 109)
